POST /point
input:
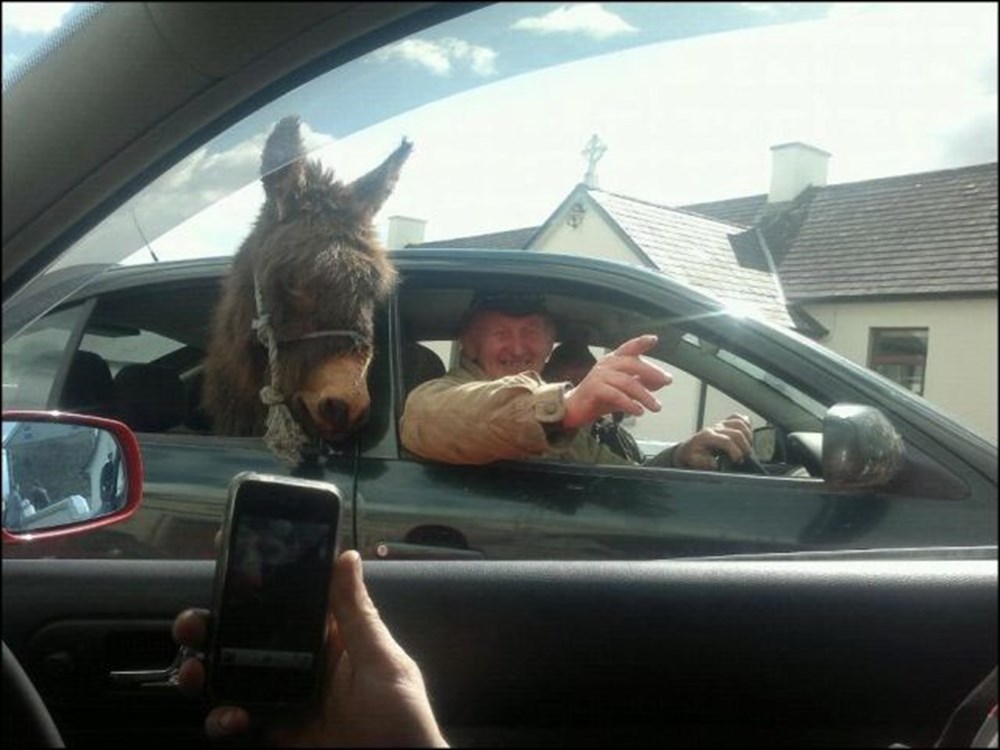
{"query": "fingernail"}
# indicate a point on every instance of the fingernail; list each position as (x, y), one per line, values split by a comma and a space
(230, 720)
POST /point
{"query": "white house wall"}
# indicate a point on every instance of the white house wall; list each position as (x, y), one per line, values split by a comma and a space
(593, 238)
(961, 371)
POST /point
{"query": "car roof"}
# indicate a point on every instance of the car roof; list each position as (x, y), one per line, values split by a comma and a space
(603, 301)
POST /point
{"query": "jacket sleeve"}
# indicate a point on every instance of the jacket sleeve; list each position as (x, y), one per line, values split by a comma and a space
(482, 421)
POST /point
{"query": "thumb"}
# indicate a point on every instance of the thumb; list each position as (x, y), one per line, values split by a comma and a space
(362, 633)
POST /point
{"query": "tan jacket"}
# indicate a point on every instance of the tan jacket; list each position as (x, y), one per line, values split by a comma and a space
(466, 418)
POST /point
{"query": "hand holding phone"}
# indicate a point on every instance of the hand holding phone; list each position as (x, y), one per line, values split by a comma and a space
(272, 589)
(374, 693)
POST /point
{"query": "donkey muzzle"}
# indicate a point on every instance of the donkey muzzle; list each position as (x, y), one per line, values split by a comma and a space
(331, 418)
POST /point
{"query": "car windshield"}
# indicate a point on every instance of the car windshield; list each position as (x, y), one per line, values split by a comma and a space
(797, 199)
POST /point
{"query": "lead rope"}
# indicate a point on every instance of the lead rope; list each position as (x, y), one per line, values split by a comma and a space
(284, 437)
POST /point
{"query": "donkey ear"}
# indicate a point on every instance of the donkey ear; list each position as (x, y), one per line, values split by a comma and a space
(282, 166)
(370, 191)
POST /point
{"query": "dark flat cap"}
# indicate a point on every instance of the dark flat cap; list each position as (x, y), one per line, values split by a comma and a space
(517, 304)
(511, 303)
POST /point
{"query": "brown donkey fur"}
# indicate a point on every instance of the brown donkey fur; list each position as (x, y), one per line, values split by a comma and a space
(320, 268)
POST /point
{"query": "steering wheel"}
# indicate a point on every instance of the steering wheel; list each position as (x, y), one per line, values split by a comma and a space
(26, 720)
(750, 465)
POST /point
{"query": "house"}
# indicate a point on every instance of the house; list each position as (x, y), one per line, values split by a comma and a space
(898, 274)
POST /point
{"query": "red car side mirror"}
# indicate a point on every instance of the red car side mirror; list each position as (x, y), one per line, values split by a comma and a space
(66, 473)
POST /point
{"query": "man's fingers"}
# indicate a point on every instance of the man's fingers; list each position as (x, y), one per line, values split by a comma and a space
(650, 375)
(616, 383)
(223, 721)
(605, 398)
(620, 389)
(191, 677)
(738, 439)
(740, 429)
(591, 399)
(740, 422)
(191, 628)
(710, 440)
(638, 345)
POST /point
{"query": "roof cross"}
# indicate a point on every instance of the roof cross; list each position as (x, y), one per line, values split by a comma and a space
(594, 150)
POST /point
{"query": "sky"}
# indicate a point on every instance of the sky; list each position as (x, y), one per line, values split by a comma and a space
(687, 97)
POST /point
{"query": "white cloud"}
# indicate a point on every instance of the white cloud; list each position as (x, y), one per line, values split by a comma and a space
(590, 19)
(439, 57)
(34, 17)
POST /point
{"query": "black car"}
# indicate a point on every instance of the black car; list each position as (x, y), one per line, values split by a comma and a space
(130, 346)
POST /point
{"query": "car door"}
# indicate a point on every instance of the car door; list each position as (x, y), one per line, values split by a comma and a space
(535, 509)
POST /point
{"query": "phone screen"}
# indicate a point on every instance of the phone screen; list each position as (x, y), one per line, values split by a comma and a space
(271, 613)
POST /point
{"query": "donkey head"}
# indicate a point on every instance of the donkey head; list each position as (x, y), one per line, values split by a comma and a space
(318, 274)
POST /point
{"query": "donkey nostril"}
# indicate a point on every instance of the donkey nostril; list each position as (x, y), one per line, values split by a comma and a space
(335, 413)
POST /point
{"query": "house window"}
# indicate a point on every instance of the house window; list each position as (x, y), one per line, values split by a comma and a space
(899, 354)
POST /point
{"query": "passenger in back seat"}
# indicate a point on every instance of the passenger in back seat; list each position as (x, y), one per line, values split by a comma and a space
(150, 398)
(88, 388)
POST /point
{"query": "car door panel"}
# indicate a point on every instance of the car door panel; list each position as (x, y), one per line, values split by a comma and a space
(540, 510)
(739, 652)
(550, 510)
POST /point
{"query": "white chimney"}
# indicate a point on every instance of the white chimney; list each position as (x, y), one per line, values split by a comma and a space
(404, 231)
(794, 167)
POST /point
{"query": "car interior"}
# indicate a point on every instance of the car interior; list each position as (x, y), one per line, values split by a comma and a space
(857, 648)
(162, 395)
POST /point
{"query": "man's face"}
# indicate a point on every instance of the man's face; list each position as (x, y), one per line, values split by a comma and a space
(504, 344)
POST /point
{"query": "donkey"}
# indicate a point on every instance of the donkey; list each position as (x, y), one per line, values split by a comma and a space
(294, 323)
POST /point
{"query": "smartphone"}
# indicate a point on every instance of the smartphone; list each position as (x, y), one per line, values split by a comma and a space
(272, 586)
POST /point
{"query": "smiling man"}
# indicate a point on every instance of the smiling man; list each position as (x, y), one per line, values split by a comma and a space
(494, 405)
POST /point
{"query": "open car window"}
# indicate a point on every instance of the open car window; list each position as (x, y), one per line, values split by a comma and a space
(710, 381)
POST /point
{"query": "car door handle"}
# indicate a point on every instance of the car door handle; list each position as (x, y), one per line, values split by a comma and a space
(154, 678)
(407, 551)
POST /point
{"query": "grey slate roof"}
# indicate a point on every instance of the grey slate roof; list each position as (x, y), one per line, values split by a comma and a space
(511, 239)
(929, 233)
(721, 259)
(743, 211)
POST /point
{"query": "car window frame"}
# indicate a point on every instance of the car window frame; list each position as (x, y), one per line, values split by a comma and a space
(818, 373)
(399, 340)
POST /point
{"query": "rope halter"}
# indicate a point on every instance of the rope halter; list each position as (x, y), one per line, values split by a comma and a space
(284, 436)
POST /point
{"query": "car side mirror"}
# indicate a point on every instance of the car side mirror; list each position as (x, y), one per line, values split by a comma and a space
(66, 473)
(765, 443)
(861, 448)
